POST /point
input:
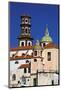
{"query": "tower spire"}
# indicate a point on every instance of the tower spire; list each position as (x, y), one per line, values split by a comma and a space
(46, 31)
(37, 42)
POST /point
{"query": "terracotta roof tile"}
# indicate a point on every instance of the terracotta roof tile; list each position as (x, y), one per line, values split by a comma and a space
(24, 66)
(21, 57)
(24, 57)
(50, 45)
(21, 48)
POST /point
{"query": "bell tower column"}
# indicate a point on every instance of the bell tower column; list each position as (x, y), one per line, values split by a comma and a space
(25, 38)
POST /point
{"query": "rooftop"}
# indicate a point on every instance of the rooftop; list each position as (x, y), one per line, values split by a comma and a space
(21, 48)
(24, 66)
(50, 45)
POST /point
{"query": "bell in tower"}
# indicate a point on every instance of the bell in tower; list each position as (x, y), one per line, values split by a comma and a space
(25, 38)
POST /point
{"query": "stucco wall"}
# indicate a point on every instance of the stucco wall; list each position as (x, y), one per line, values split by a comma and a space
(53, 64)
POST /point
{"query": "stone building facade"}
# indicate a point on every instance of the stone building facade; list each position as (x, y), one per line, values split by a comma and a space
(33, 65)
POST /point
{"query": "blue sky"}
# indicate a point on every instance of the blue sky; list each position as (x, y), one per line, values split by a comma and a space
(41, 14)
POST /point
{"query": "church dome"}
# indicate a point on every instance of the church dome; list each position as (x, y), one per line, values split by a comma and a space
(37, 46)
(46, 38)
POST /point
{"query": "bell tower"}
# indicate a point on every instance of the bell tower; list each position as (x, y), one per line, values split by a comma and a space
(25, 38)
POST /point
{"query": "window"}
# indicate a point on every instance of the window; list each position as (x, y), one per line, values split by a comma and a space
(22, 44)
(18, 82)
(26, 30)
(16, 62)
(41, 59)
(26, 20)
(28, 79)
(52, 82)
(34, 82)
(29, 44)
(14, 77)
(23, 54)
(49, 56)
(29, 70)
(27, 61)
(24, 70)
(43, 44)
(13, 55)
(32, 54)
(35, 60)
(23, 80)
(35, 53)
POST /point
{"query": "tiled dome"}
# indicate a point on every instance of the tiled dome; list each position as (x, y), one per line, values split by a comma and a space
(37, 46)
(46, 38)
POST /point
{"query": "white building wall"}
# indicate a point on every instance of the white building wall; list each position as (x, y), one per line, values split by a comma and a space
(28, 82)
(36, 65)
(14, 83)
(56, 78)
(44, 79)
(53, 64)
(14, 67)
(19, 73)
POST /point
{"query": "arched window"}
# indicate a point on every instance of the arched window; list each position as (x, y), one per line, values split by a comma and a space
(13, 55)
(27, 61)
(44, 44)
(35, 60)
(26, 30)
(29, 44)
(16, 62)
(26, 20)
(22, 44)
(35, 53)
(32, 53)
(14, 77)
(23, 54)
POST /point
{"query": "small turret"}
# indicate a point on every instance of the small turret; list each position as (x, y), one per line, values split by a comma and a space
(37, 49)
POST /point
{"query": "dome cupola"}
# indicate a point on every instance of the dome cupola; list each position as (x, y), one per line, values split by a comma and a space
(46, 37)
